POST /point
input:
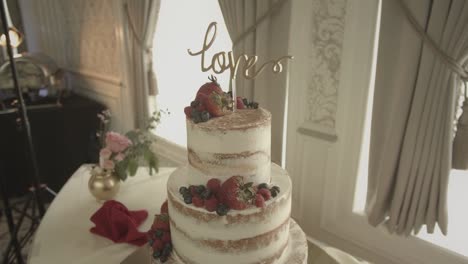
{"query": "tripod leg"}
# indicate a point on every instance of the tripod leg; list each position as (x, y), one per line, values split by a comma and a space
(11, 228)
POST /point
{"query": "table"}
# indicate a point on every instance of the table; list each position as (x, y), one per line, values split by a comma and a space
(64, 237)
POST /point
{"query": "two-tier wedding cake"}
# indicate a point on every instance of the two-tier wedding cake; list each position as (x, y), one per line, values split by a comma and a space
(230, 203)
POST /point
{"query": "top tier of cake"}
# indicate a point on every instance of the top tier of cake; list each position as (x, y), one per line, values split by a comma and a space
(234, 144)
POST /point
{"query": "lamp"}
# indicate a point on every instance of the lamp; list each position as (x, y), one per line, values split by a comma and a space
(16, 37)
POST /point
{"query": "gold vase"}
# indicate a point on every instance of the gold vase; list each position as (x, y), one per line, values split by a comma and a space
(103, 184)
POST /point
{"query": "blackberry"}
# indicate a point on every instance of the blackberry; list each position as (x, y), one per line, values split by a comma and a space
(276, 188)
(167, 250)
(245, 101)
(200, 189)
(206, 194)
(262, 186)
(273, 192)
(254, 105)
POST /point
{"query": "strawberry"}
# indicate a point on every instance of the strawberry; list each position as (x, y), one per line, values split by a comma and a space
(232, 195)
(188, 112)
(216, 104)
(265, 193)
(197, 201)
(213, 185)
(166, 237)
(211, 204)
(164, 209)
(161, 222)
(209, 87)
(157, 245)
(259, 201)
(240, 103)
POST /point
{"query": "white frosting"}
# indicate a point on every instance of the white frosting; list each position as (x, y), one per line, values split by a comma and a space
(222, 153)
(218, 228)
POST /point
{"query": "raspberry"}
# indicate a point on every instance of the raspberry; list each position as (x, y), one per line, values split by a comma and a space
(166, 238)
(197, 201)
(214, 185)
(259, 201)
(265, 193)
(164, 209)
(188, 111)
(157, 245)
(211, 204)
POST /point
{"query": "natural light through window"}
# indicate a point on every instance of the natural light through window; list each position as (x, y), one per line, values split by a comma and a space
(457, 197)
(181, 26)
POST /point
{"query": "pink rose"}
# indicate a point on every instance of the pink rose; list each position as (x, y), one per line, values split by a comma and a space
(105, 153)
(117, 142)
(108, 165)
(120, 157)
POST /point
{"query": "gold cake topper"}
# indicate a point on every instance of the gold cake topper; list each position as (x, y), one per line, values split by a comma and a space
(222, 61)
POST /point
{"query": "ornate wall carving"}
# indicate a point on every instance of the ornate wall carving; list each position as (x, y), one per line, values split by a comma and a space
(327, 25)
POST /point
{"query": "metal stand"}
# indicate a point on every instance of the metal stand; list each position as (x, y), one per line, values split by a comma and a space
(34, 200)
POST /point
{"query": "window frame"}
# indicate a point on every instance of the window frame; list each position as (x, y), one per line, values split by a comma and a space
(355, 90)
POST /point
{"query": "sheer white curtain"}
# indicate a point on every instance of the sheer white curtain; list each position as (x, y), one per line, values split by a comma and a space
(413, 115)
(141, 17)
(269, 40)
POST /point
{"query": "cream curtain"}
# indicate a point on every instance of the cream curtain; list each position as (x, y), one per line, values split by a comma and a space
(413, 115)
(141, 17)
(269, 40)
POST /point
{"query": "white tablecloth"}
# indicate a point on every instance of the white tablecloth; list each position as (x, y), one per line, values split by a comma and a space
(63, 236)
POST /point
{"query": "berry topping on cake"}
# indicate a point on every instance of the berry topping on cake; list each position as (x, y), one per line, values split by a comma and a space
(216, 104)
(240, 103)
(209, 87)
(198, 201)
(188, 199)
(262, 186)
(222, 209)
(159, 237)
(265, 193)
(211, 204)
(164, 209)
(206, 194)
(183, 190)
(259, 201)
(161, 222)
(214, 185)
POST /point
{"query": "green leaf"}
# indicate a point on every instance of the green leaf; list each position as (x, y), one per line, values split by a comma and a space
(121, 170)
(132, 167)
(132, 135)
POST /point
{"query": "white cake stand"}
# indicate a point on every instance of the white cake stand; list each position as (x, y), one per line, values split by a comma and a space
(296, 251)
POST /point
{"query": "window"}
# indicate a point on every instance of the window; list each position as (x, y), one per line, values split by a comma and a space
(342, 208)
(181, 26)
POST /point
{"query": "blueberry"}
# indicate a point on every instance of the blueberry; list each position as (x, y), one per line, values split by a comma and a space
(156, 254)
(150, 242)
(188, 199)
(262, 186)
(222, 209)
(167, 249)
(276, 188)
(206, 194)
(158, 233)
(196, 116)
(273, 192)
(183, 190)
(204, 116)
(194, 104)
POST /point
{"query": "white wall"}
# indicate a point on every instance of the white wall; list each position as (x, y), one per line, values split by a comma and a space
(86, 38)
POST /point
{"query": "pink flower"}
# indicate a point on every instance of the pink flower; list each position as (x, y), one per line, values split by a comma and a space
(117, 142)
(105, 153)
(108, 165)
(120, 157)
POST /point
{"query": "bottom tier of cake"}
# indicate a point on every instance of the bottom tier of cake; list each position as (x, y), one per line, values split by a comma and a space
(252, 235)
(295, 253)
